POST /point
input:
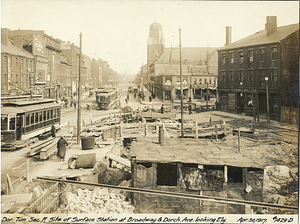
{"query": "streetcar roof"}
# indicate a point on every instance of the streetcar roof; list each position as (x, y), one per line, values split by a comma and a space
(9, 110)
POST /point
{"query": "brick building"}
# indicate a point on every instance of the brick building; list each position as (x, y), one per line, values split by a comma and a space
(244, 65)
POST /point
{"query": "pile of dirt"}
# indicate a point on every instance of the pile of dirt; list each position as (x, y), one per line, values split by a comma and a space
(98, 201)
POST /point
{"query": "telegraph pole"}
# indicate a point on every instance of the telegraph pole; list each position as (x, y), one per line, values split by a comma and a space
(79, 93)
(181, 88)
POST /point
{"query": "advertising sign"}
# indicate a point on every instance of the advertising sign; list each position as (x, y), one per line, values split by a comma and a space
(38, 46)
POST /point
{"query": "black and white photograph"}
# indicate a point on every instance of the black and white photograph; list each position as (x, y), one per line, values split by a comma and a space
(149, 111)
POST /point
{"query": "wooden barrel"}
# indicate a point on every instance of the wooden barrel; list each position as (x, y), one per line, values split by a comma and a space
(87, 142)
(85, 161)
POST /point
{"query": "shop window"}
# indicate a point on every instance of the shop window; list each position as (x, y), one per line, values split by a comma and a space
(166, 174)
(262, 53)
(213, 167)
(12, 123)
(235, 174)
(32, 118)
(4, 123)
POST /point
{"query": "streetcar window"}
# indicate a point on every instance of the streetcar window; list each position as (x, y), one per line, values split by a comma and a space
(54, 110)
(36, 118)
(57, 112)
(4, 123)
(32, 118)
(27, 119)
(48, 114)
(12, 123)
(44, 116)
(41, 116)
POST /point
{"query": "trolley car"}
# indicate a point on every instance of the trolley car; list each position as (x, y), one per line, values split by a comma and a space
(27, 118)
(108, 98)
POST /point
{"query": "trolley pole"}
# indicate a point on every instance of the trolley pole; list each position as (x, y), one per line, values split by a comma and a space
(181, 88)
(79, 93)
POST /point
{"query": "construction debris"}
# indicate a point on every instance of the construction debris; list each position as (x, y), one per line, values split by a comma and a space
(97, 201)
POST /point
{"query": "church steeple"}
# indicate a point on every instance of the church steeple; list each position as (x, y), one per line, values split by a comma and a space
(156, 43)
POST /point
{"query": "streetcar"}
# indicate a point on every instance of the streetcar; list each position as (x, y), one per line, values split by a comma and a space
(25, 118)
(108, 98)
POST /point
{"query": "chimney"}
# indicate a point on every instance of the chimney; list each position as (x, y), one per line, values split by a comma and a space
(271, 25)
(18, 41)
(228, 35)
(4, 36)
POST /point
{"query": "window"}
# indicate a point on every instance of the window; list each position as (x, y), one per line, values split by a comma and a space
(200, 81)
(274, 75)
(209, 81)
(262, 77)
(36, 118)
(223, 77)
(250, 77)
(232, 57)
(223, 58)
(44, 116)
(48, 114)
(32, 118)
(41, 116)
(274, 53)
(12, 123)
(166, 174)
(27, 119)
(250, 55)
(241, 57)
(51, 114)
(231, 76)
(195, 81)
(262, 54)
(235, 174)
(205, 81)
(241, 75)
(4, 122)
(17, 62)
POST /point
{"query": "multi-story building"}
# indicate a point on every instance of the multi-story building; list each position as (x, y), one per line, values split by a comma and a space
(87, 63)
(267, 58)
(65, 77)
(155, 44)
(198, 78)
(46, 50)
(96, 72)
(17, 66)
(72, 55)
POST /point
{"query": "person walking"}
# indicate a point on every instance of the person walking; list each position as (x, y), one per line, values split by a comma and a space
(162, 109)
(53, 131)
(190, 109)
(61, 148)
(150, 99)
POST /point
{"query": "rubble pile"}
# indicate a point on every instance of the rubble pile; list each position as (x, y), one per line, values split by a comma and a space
(97, 201)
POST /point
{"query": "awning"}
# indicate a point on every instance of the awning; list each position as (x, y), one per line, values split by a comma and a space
(182, 88)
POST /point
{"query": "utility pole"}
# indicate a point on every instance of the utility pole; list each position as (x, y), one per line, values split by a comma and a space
(79, 93)
(181, 88)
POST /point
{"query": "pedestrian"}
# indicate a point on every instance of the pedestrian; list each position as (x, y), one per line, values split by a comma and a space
(61, 148)
(88, 107)
(162, 109)
(53, 131)
(190, 109)
(134, 95)
(128, 97)
(150, 98)
(217, 105)
(126, 100)
(74, 105)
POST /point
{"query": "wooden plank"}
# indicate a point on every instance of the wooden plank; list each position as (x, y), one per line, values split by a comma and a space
(36, 148)
(48, 150)
(118, 159)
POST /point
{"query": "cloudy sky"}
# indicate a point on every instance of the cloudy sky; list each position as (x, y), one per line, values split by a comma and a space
(117, 31)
